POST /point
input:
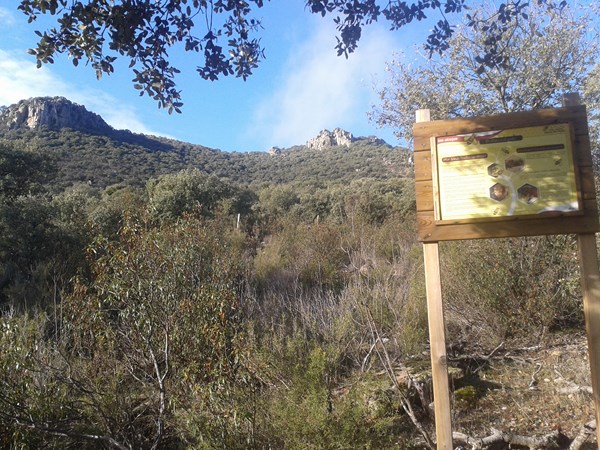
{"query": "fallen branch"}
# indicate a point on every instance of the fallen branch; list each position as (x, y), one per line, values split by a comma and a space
(576, 389)
(572, 388)
(534, 382)
(586, 431)
(481, 361)
(532, 442)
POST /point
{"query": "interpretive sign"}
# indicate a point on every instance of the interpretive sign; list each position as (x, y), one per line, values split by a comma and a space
(510, 175)
(503, 173)
(518, 174)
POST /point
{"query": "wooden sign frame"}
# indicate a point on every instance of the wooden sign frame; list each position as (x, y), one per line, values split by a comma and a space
(584, 224)
(430, 229)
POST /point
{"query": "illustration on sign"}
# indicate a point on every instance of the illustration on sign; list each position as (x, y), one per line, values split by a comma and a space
(503, 173)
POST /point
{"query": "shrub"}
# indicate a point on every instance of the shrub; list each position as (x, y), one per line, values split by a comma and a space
(307, 254)
(511, 288)
(155, 332)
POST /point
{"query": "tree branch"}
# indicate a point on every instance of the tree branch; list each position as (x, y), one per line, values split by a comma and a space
(30, 423)
(586, 431)
(387, 363)
(532, 442)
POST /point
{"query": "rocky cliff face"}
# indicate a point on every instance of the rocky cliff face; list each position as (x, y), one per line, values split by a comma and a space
(326, 138)
(51, 112)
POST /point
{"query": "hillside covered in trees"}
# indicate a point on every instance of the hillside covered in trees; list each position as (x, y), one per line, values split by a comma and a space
(103, 156)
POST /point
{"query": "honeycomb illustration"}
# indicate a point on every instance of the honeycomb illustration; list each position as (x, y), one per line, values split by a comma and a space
(498, 192)
(495, 170)
(528, 193)
(514, 164)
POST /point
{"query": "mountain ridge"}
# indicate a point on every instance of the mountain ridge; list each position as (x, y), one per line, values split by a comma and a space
(104, 156)
(59, 112)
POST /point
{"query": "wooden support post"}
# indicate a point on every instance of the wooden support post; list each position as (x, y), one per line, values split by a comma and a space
(437, 336)
(437, 342)
(590, 288)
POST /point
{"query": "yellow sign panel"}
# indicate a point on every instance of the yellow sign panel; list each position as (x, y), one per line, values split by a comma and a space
(504, 173)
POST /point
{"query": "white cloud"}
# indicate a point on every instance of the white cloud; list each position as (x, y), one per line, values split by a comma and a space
(21, 79)
(7, 18)
(320, 90)
(118, 115)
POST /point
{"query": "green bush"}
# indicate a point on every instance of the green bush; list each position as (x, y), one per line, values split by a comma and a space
(155, 332)
(512, 288)
(188, 191)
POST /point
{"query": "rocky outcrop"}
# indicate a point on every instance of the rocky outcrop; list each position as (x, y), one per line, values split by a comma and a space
(326, 139)
(374, 140)
(51, 112)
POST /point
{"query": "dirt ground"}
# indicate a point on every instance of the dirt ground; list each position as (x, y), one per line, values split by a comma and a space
(530, 391)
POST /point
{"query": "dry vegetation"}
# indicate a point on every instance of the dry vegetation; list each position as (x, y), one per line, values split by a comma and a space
(144, 318)
(135, 314)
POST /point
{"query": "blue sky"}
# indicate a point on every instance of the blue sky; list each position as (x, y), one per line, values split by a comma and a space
(301, 88)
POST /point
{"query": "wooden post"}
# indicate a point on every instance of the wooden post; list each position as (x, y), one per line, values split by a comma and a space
(590, 288)
(437, 336)
(571, 99)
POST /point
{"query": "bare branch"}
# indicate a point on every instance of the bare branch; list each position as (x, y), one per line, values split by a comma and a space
(588, 430)
(532, 442)
(387, 363)
(69, 433)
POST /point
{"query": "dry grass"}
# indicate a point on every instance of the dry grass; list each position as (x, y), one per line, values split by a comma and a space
(531, 391)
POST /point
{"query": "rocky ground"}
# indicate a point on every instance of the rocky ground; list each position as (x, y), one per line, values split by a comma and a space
(531, 391)
(538, 395)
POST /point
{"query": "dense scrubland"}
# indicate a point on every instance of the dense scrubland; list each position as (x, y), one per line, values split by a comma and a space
(150, 317)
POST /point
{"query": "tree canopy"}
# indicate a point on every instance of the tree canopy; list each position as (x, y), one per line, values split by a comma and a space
(226, 33)
(551, 53)
(21, 172)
